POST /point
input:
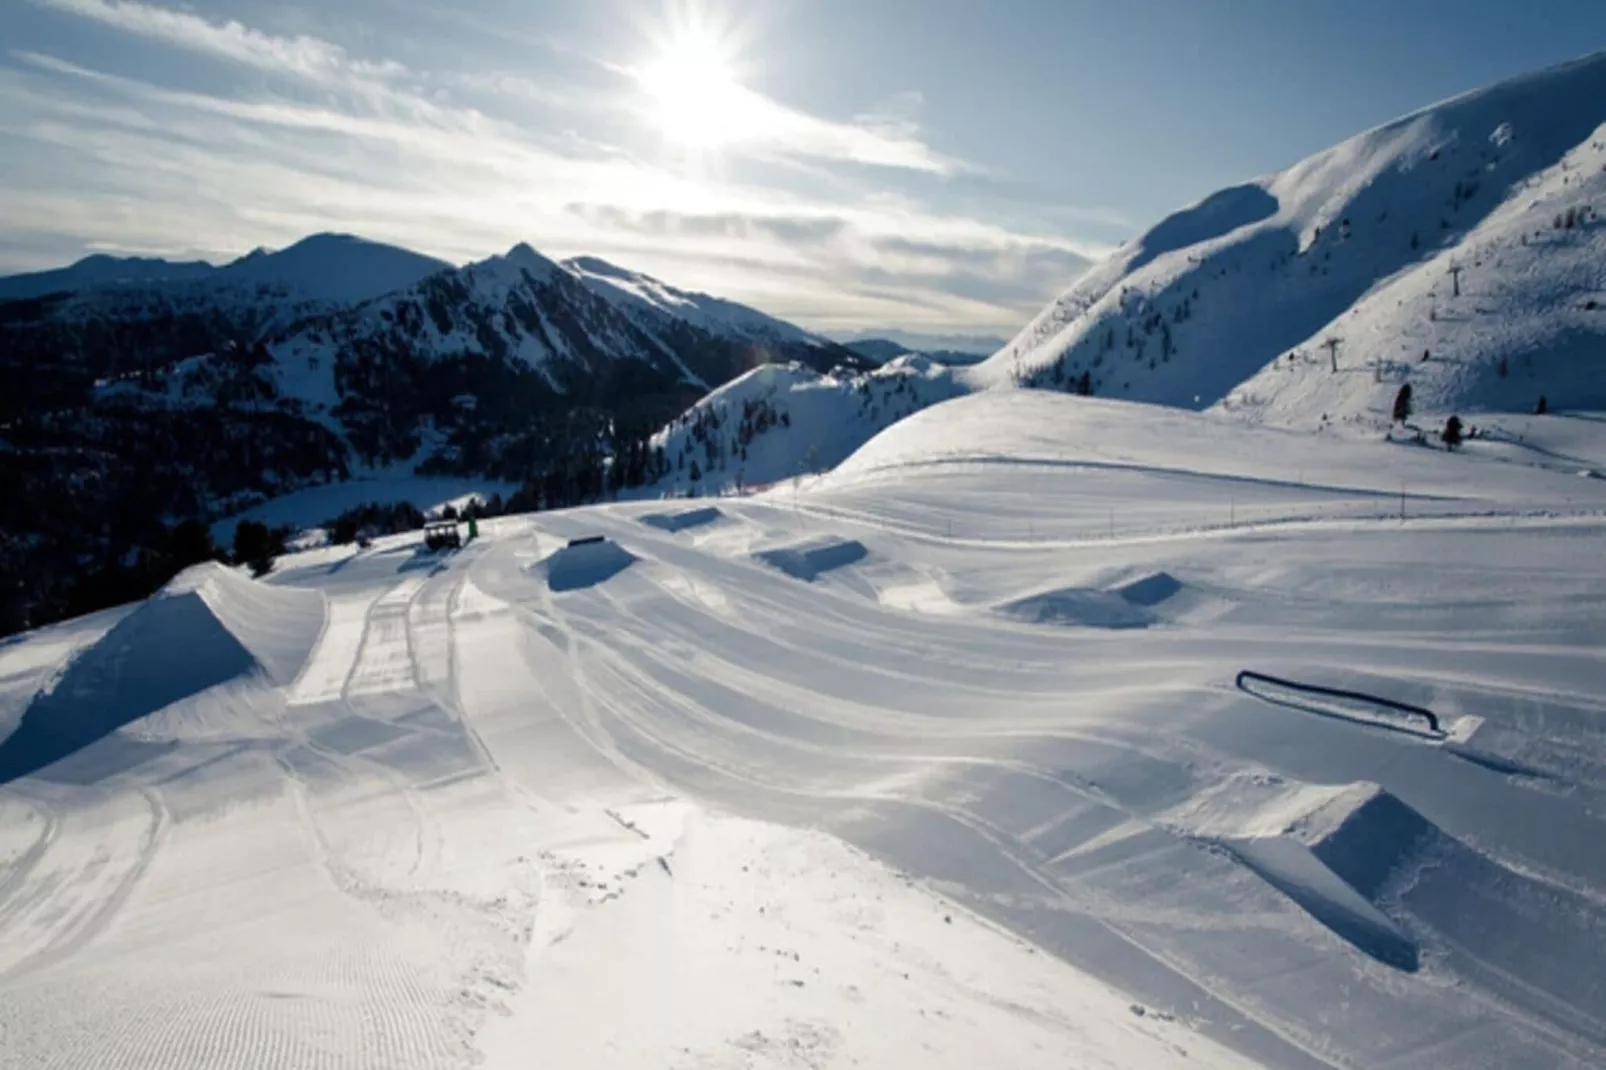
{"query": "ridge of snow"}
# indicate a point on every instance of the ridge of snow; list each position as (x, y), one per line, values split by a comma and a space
(714, 314)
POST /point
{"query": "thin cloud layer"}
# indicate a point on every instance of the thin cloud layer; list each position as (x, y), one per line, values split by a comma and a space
(800, 216)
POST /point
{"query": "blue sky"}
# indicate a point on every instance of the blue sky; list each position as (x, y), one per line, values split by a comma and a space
(927, 164)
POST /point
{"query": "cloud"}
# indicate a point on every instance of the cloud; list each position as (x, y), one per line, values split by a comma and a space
(303, 57)
(92, 156)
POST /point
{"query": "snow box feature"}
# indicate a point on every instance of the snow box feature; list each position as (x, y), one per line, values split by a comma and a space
(586, 564)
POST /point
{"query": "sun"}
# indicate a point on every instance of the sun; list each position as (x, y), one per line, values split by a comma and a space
(694, 98)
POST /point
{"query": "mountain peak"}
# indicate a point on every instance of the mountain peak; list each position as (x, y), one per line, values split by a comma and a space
(336, 268)
(1440, 250)
(524, 255)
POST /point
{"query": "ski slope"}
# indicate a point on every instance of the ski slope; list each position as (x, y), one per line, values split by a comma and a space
(942, 759)
(1461, 249)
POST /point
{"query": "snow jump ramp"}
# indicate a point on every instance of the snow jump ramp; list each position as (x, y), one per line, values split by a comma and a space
(210, 626)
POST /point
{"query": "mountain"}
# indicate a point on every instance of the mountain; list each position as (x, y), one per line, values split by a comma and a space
(323, 268)
(978, 345)
(332, 359)
(101, 270)
(1459, 249)
(469, 360)
(1469, 233)
(333, 268)
(781, 421)
(634, 290)
(881, 350)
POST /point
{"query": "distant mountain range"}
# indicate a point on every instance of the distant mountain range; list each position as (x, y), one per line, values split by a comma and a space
(144, 391)
(979, 345)
(333, 268)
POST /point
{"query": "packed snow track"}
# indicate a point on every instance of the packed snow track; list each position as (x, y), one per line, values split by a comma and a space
(931, 763)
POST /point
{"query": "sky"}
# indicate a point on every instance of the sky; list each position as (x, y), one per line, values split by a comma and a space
(938, 165)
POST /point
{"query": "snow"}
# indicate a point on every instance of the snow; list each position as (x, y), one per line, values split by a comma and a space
(713, 314)
(793, 780)
(1470, 231)
(333, 268)
(826, 418)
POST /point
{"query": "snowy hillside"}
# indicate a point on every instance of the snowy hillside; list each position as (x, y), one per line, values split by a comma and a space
(1471, 231)
(1044, 732)
(780, 421)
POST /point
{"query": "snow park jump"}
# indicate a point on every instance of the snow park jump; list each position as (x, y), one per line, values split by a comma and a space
(1124, 690)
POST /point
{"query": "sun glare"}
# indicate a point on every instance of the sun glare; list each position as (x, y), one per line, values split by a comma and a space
(694, 98)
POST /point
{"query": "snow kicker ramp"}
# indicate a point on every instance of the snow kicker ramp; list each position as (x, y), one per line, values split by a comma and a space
(1131, 605)
(208, 627)
(684, 520)
(810, 560)
(578, 566)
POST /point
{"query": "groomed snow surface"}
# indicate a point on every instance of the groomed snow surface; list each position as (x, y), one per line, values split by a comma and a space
(941, 760)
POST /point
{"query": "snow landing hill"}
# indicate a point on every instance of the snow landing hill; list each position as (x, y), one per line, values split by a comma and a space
(947, 759)
(1461, 249)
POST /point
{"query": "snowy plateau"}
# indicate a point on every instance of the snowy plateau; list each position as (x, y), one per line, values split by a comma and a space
(1207, 721)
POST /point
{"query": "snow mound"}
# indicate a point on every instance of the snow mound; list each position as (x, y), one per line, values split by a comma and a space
(1078, 607)
(1387, 879)
(810, 560)
(1332, 850)
(576, 567)
(208, 627)
(1151, 590)
(1130, 605)
(683, 520)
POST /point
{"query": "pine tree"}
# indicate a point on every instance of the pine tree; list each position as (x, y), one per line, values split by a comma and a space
(190, 543)
(1452, 433)
(1402, 404)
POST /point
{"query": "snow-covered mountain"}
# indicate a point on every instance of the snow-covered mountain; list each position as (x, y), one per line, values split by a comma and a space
(1461, 249)
(486, 348)
(781, 421)
(101, 270)
(329, 268)
(339, 358)
(638, 292)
